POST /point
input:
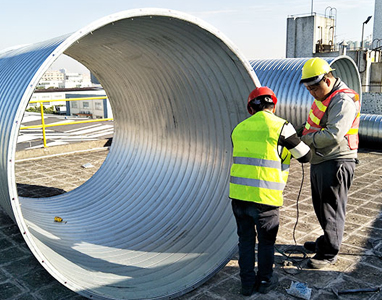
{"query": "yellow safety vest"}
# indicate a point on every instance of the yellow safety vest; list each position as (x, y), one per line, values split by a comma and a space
(258, 173)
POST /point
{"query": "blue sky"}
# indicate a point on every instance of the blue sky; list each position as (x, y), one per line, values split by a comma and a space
(258, 28)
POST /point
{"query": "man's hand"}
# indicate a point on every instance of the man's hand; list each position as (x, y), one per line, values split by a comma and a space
(300, 129)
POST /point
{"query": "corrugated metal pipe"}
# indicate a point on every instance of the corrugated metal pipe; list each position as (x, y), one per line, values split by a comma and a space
(155, 221)
(370, 129)
(283, 76)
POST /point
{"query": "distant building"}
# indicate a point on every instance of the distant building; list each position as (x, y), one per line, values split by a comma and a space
(53, 76)
(76, 80)
(377, 28)
(47, 96)
(93, 109)
(62, 79)
(309, 34)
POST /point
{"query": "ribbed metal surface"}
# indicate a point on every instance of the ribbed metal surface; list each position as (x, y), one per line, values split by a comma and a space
(155, 221)
(370, 128)
(283, 77)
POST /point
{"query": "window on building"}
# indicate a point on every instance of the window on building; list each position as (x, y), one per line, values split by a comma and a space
(85, 104)
(98, 105)
(74, 104)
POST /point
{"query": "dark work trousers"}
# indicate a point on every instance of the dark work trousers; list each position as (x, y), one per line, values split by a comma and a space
(253, 220)
(330, 183)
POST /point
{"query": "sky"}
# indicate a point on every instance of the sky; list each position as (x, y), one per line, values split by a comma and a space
(257, 28)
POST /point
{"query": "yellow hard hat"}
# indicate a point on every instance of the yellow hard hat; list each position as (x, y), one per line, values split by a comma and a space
(314, 70)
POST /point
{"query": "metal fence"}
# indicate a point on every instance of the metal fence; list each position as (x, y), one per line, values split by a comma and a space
(44, 126)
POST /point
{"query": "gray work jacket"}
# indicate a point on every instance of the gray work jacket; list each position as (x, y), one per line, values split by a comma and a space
(331, 143)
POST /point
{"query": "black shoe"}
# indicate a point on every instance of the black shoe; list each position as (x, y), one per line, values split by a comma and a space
(247, 290)
(318, 262)
(310, 246)
(266, 286)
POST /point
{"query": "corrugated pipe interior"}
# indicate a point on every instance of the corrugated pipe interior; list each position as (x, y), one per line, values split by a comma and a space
(155, 220)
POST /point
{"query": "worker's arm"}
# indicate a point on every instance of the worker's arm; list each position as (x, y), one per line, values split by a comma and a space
(290, 140)
(340, 118)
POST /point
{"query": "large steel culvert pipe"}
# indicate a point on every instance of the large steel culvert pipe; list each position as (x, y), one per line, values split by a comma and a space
(283, 76)
(155, 220)
(370, 129)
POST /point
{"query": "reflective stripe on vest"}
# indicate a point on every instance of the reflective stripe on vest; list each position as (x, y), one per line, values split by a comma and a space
(258, 174)
(260, 163)
(258, 183)
(318, 110)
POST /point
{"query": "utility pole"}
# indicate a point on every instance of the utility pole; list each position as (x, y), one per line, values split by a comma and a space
(363, 25)
(311, 9)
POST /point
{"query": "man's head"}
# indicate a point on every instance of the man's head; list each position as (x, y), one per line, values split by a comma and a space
(261, 98)
(318, 78)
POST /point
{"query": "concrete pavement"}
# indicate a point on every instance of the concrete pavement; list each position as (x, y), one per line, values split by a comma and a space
(359, 265)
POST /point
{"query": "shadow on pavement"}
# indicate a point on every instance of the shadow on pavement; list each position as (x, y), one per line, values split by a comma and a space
(37, 191)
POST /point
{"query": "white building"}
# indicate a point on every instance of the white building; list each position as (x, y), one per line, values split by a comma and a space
(62, 79)
(47, 96)
(76, 80)
(53, 76)
(93, 109)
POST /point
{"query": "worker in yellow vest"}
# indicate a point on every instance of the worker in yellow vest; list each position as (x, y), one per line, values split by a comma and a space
(332, 133)
(262, 149)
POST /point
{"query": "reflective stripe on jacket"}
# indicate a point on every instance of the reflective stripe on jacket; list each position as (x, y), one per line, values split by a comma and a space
(318, 110)
(258, 173)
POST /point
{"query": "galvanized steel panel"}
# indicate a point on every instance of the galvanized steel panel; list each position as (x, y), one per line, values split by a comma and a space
(155, 221)
(370, 129)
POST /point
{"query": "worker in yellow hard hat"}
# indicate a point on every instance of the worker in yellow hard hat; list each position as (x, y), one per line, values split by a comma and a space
(314, 70)
(332, 133)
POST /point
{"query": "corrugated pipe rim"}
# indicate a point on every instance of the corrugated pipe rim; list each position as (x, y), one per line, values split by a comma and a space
(155, 221)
